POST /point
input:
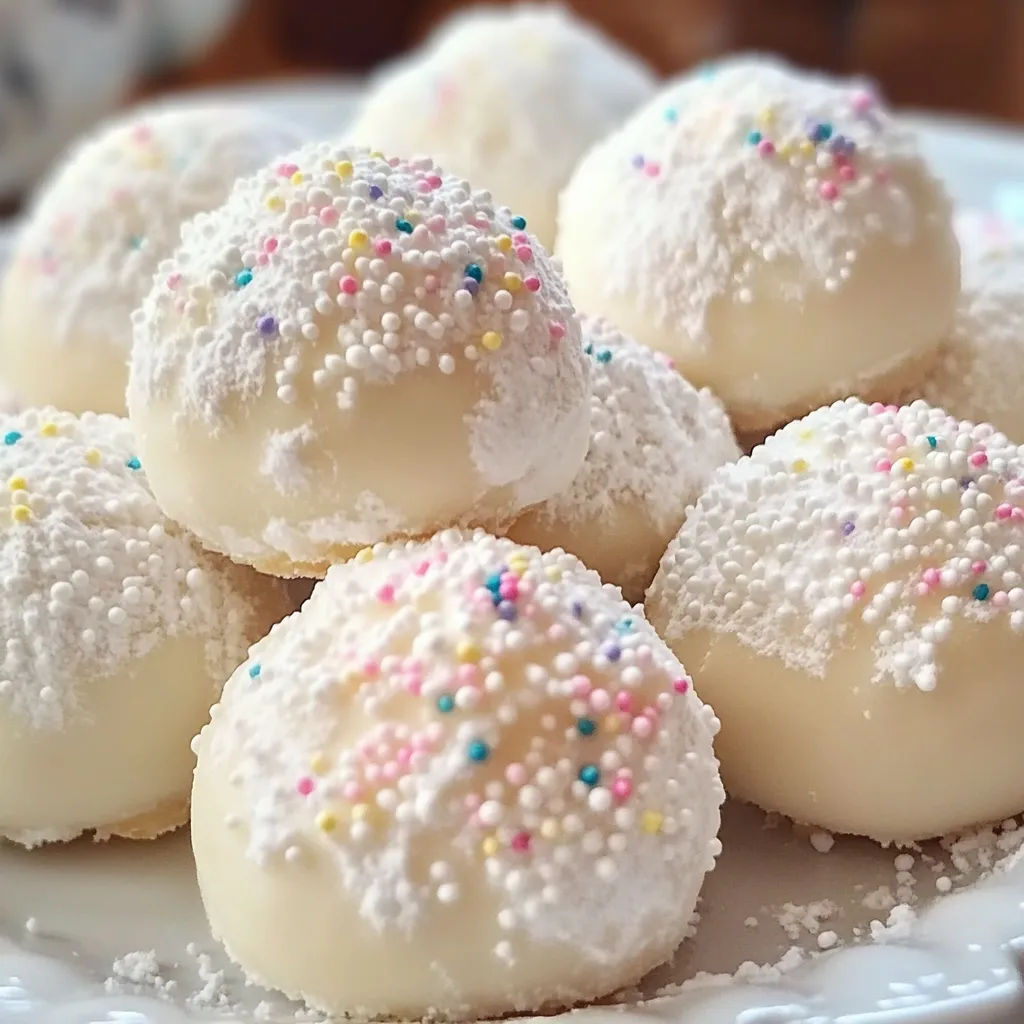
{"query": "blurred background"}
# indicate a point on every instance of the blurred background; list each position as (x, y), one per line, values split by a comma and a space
(66, 63)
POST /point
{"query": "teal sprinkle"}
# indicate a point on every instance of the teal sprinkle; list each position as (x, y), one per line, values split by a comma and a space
(671, 115)
(519, 223)
(478, 751)
(754, 137)
(243, 277)
(474, 271)
(981, 592)
(404, 226)
(586, 726)
(624, 626)
(604, 356)
(932, 442)
(254, 670)
(446, 703)
(12, 437)
(136, 242)
(590, 774)
(133, 463)
(588, 349)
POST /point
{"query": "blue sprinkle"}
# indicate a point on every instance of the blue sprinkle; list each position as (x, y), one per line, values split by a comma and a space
(446, 703)
(404, 226)
(376, 192)
(473, 270)
(981, 592)
(590, 774)
(519, 223)
(243, 277)
(133, 463)
(586, 726)
(12, 437)
(254, 670)
(478, 751)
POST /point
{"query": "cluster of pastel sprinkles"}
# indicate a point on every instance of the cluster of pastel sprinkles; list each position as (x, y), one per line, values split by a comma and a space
(347, 266)
(602, 770)
(902, 517)
(94, 577)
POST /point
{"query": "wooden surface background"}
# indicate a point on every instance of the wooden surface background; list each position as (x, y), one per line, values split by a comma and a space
(962, 56)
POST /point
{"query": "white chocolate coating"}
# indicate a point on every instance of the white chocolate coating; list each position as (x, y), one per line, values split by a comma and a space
(510, 98)
(86, 255)
(777, 234)
(351, 350)
(849, 597)
(119, 631)
(466, 779)
(655, 441)
(980, 375)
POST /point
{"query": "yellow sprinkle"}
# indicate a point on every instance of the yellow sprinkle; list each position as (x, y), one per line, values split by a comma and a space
(518, 566)
(48, 430)
(512, 282)
(611, 724)
(799, 466)
(21, 513)
(651, 822)
(489, 846)
(363, 555)
(376, 154)
(92, 457)
(326, 822)
(784, 149)
(806, 147)
(17, 483)
(766, 116)
(275, 203)
(491, 341)
(359, 812)
(906, 465)
(549, 828)
(504, 243)
(806, 434)
(344, 168)
(296, 178)
(358, 239)
(553, 573)
(467, 651)
(318, 764)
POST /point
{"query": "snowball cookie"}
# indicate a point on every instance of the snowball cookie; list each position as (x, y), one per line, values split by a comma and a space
(351, 350)
(118, 629)
(466, 779)
(88, 251)
(654, 443)
(510, 97)
(778, 234)
(980, 376)
(849, 598)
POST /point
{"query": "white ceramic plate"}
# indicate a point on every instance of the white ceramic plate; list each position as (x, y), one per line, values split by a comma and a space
(115, 934)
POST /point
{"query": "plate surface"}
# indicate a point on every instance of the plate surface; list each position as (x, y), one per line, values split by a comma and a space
(115, 934)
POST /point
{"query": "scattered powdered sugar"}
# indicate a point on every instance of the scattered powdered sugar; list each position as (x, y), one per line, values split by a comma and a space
(137, 970)
(822, 841)
(655, 440)
(94, 575)
(750, 164)
(113, 210)
(867, 513)
(282, 460)
(794, 919)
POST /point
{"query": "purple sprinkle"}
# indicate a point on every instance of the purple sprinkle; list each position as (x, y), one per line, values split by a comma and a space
(577, 609)
(612, 652)
(507, 610)
(848, 528)
(638, 161)
(376, 192)
(267, 325)
(471, 285)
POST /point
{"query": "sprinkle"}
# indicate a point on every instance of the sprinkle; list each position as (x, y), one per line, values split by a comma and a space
(403, 225)
(254, 670)
(981, 592)
(17, 483)
(468, 652)
(512, 282)
(305, 786)
(266, 325)
(828, 190)
(242, 278)
(799, 466)
(473, 270)
(491, 341)
(343, 168)
(386, 594)
(520, 842)
(376, 192)
(651, 822)
(358, 239)
(586, 726)
(519, 223)
(445, 703)
(21, 513)
(590, 774)
(489, 846)
(326, 821)
(478, 751)
(48, 430)
(349, 285)
(754, 137)
(275, 203)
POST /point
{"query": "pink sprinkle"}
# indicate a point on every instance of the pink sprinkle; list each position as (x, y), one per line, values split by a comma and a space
(876, 408)
(434, 180)
(978, 568)
(422, 185)
(862, 102)
(1000, 598)
(403, 755)
(883, 465)
(581, 686)
(349, 285)
(882, 176)
(509, 590)
(681, 685)
(390, 771)
(472, 801)
(382, 247)
(263, 259)
(370, 668)
(556, 631)
(371, 773)
(525, 253)
(430, 283)
(922, 589)
(600, 700)
(521, 842)
(557, 330)
(515, 774)
(828, 190)
(328, 215)
(532, 284)
(173, 281)
(386, 594)
(286, 170)
(624, 700)
(270, 245)
(142, 133)
(422, 568)
(652, 169)
(468, 675)
(766, 148)
(622, 788)
(304, 785)
(931, 577)
(414, 685)
(857, 588)
(393, 161)
(1004, 511)
(847, 173)
(352, 791)
(642, 727)
(421, 741)
(434, 731)
(1018, 515)
(521, 238)
(978, 459)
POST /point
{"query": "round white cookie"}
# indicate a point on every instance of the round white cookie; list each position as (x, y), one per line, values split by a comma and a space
(509, 97)
(778, 234)
(466, 779)
(119, 632)
(354, 349)
(655, 440)
(86, 255)
(849, 597)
